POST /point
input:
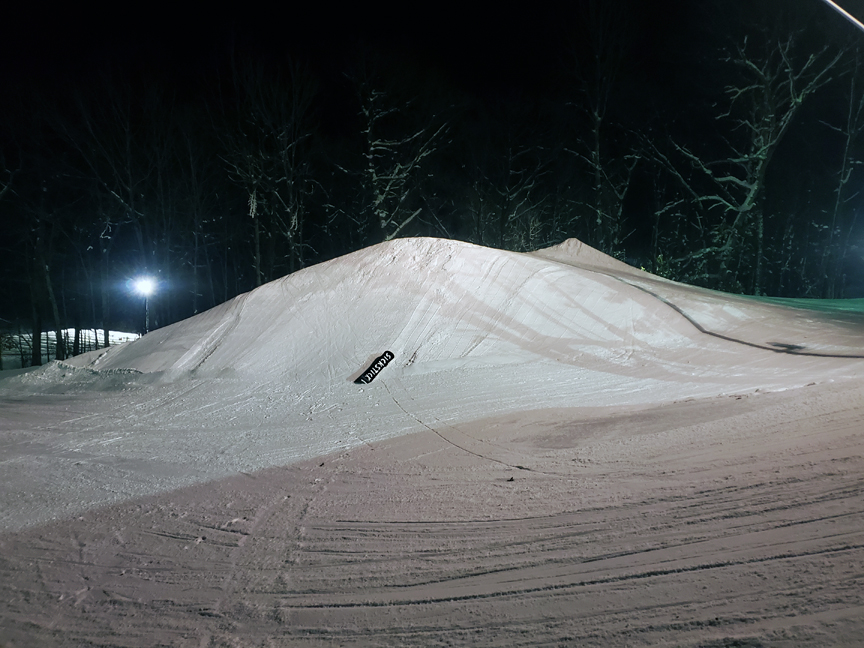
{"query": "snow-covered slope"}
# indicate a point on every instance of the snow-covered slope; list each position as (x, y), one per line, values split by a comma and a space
(266, 378)
(439, 304)
(435, 304)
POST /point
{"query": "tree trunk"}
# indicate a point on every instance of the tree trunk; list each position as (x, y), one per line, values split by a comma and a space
(106, 310)
(21, 353)
(760, 243)
(36, 340)
(59, 344)
(253, 213)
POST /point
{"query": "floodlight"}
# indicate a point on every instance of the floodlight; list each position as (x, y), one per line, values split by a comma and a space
(144, 286)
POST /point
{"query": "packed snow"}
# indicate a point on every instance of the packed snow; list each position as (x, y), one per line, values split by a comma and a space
(600, 382)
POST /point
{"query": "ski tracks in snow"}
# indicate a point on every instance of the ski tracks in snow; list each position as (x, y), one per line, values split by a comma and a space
(737, 521)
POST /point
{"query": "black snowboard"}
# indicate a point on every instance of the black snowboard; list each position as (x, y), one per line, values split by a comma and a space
(375, 368)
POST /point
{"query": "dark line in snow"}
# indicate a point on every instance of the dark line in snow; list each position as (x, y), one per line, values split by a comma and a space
(443, 438)
(783, 348)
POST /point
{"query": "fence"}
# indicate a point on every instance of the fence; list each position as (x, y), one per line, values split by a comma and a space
(17, 346)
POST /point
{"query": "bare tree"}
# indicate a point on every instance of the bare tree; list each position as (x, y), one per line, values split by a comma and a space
(508, 202)
(268, 154)
(109, 134)
(842, 223)
(113, 143)
(6, 183)
(775, 78)
(395, 156)
(198, 174)
(248, 168)
(599, 52)
(43, 253)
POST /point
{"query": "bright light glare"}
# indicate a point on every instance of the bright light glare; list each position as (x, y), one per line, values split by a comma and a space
(144, 286)
(845, 14)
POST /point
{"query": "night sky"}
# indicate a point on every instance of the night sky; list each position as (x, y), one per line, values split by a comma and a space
(512, 53)
(511, 70)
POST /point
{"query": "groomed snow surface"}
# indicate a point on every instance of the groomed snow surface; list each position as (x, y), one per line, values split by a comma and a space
(563, 451)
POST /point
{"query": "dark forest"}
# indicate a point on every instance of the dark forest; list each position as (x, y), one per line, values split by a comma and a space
(715, 143)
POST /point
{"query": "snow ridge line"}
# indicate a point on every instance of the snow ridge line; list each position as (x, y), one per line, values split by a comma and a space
(783, 349)
(208, 346)
(787, 350)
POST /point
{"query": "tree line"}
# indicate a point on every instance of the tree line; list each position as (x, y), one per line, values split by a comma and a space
(747, 182)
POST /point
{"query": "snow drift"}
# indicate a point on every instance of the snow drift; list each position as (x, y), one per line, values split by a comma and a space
(267, 378)
(441, 304)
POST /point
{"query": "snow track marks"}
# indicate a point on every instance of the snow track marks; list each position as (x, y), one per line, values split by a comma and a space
(413, 541)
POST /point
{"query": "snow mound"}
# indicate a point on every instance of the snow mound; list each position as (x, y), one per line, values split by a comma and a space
(266, 379)
(436, 304)
(439, 304)
(575, 252)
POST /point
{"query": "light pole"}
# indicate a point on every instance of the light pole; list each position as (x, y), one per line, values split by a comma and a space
(145, 286)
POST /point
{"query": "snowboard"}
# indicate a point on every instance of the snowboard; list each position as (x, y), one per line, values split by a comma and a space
(375, 368)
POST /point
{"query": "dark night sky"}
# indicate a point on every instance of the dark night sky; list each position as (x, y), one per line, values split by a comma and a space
(514, 50)
(511, 50)
(512, 56)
